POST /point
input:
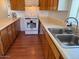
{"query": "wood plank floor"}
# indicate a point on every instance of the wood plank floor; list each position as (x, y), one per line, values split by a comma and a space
(25, 47)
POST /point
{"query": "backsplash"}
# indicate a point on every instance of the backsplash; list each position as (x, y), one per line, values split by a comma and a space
(55, 14)
(29, 12)
(31, 2)
(32, 11)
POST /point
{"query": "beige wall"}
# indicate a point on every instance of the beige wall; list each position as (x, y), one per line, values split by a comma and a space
(3, 8)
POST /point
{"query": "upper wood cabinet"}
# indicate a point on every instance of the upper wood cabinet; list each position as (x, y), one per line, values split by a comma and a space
(17, 5)
(42, 4)
(48, 4)
(55, 4)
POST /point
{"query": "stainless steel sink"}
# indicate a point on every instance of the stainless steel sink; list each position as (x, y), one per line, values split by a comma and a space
(59, 31)
(68, 40)
(65, 39)
(56, 30)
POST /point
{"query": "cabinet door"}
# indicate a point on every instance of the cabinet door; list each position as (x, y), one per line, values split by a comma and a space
(13, 31)
(4, 40)
(43, 4)
(51, 54)
(1, 46)
(48, 4)
(49, 48)
(17, 4)
(54, 49)
(46, 48)
(52, 4)
(45, 45)
(61, 57)
(55, 4)
(17, 27)
(10, 37)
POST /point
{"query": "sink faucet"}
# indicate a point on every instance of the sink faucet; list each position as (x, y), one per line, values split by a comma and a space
(76, 29)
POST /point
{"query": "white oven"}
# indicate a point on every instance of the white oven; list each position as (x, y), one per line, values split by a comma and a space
(31, 25)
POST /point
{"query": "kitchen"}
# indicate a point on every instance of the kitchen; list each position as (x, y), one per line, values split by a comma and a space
(39, 29)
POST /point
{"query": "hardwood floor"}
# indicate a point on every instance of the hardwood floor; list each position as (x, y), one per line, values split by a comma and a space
(25, 47)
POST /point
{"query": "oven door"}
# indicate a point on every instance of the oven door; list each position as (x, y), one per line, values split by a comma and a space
(31, 24)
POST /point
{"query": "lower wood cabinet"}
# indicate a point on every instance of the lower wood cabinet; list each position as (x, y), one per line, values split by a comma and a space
(13, 32)
(44, 43)
(10, 34)
(7, 36)
(4, 41)
(17, 27)
(51, 54)
(49, 48)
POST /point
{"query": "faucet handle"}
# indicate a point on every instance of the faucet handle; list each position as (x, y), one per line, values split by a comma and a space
(69, 24)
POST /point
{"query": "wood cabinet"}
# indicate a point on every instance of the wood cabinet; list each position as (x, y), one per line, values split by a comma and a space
(44, 42)
(43, 4)
(53, 4)
(51, 54)
(13, 31)
(4, 40)
(48, 4)
(9, 30)
(49, 48)
(17, 27)
(45, 45)
(7, 36)
(17, 5)
(53, 47)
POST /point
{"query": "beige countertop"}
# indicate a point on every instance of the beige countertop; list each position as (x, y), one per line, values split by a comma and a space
(48, 21)
(70, 53)
(5, 22)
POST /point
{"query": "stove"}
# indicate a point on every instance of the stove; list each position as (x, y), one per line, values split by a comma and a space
(31, 25)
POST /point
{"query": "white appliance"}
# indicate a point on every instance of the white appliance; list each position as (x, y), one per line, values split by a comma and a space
(31, 25)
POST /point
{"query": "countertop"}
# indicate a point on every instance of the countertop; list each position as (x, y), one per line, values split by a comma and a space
(67, 53)
(6, 21)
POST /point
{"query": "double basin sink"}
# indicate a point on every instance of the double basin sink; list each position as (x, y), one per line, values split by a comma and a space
(65, 38)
